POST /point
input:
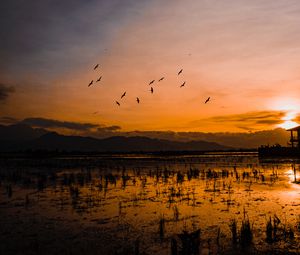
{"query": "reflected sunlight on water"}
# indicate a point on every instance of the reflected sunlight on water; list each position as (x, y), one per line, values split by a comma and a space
(151, 199)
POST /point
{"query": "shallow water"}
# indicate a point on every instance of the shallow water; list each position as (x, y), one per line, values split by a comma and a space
(135, 204)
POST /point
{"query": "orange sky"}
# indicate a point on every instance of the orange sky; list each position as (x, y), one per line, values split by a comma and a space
(245, 55)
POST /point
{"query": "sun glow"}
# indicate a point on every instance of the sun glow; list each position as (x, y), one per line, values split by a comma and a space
(288, 124)
(291, 109)
(289, 120)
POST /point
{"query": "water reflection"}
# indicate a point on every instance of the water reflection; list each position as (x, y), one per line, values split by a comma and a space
(146, 204)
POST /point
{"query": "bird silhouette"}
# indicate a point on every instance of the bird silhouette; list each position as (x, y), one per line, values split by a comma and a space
(180, 72)
(123, 95)
(138, 100)
(117, 103)
(91, 83)
(96, 66)
(99, 79)
(151, 90)
(151, 82)
(182, 85)
(161, 78)
(206, 101)
(95, 112)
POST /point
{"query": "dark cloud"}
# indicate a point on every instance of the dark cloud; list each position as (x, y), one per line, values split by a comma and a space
(246, 128)
(269, 121)
(246, 121)
(260, 117)
(108, 129)
(50, 123)
(8, 120)
(5, 91)
(30, 29)
(42, 35)
(85, 129)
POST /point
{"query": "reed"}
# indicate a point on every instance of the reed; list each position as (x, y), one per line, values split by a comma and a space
(162, 228)
(246, 234)
(233, 229)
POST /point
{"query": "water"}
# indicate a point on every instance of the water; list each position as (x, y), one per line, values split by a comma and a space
(137, 204)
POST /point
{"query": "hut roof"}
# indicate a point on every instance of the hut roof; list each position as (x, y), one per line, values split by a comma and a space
(294, 129)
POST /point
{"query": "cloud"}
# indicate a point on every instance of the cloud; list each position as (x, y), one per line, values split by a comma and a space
(70, 127)
(269, 121)
(38, 35)
(8, 120)
(297, 119)
(256, 117)
(50, 123)
(5, 91)
(246, 121)
(108, 129)
(246, 128)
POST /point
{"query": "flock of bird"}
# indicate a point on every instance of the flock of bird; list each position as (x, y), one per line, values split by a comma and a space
(150, 83)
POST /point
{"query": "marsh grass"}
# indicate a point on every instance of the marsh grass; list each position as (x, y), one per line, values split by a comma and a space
(234, 233)
(176, 213)
(161, 228)
(246, 234)
(190, 242)
(177, 193)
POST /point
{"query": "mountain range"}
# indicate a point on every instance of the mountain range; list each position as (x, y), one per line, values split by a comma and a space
(21, 137)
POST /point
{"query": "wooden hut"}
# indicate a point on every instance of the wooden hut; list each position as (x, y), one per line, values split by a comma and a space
(295, 135)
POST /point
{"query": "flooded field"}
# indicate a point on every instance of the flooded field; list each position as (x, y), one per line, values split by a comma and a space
(145, 204)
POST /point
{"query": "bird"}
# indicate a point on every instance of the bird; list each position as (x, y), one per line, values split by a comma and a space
(182, 85)
(151, 82)
(206, 101)
(161, 78)
(117, 103)
(95, 112)
(91, 83)
(99, 79)
(96, 66)
(123, 95)
(151, 90)
(180, 72)
(138, 100)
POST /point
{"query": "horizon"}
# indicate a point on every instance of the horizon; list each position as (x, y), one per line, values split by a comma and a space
(19, 132)
(50, 51)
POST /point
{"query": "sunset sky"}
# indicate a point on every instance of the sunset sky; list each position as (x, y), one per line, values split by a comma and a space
(244, 54)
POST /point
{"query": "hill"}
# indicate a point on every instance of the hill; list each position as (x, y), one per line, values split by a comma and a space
(23, 138)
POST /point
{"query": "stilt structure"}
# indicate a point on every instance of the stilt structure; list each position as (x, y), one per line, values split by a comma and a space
(295, 135)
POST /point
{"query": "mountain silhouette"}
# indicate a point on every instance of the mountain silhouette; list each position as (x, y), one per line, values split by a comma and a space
(20, 132)
(22, 138)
